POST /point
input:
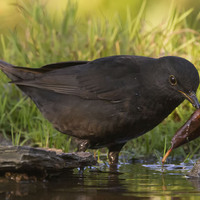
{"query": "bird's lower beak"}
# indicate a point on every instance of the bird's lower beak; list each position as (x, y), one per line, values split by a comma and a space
(191, 97)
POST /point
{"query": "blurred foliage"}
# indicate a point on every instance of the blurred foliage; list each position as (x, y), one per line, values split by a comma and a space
(156, 11)
(37, 32)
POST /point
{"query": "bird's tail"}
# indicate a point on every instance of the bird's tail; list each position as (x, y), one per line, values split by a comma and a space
(17, 73)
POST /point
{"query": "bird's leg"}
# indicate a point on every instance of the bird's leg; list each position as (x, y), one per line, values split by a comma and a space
(113, 154)
(83, 145)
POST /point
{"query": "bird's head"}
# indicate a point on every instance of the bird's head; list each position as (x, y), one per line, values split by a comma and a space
(181, 78)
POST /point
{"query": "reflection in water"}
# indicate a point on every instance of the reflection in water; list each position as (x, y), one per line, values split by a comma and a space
(134, 181)
(195, 182)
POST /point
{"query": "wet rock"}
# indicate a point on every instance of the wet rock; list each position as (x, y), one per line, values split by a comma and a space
(31, 160)
(195, 172)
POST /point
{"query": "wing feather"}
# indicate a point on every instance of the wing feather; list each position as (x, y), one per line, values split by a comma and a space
(111, 79)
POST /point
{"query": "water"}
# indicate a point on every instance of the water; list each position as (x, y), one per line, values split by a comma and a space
(133, 181)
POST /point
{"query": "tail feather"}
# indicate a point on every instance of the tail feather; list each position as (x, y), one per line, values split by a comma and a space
(18, 73)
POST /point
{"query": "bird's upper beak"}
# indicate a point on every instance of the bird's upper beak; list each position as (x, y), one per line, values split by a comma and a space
(191, 97)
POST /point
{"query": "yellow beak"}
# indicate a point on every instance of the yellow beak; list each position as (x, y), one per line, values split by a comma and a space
(191, 98)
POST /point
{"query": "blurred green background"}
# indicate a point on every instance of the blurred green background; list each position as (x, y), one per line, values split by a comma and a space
(37, 32)
(156, 11)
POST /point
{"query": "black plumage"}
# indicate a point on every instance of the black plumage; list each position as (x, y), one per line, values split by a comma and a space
(108, 101)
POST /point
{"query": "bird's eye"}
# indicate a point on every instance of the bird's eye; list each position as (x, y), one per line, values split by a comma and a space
(172, 80)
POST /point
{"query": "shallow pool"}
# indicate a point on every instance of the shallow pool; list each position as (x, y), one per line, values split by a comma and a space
(132, 181)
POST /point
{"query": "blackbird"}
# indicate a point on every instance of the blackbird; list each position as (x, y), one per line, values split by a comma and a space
(110, 100)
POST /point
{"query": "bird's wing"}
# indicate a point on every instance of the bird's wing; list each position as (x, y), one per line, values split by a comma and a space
(111, 78)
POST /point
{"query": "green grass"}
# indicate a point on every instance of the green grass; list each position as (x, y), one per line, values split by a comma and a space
(43, 39)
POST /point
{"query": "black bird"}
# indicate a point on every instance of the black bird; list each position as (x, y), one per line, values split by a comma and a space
(108, 101)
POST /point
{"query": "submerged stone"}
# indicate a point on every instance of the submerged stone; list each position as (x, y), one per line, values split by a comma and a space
(195, 172)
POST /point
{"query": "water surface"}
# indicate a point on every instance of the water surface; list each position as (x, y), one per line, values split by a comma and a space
(133, 181)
